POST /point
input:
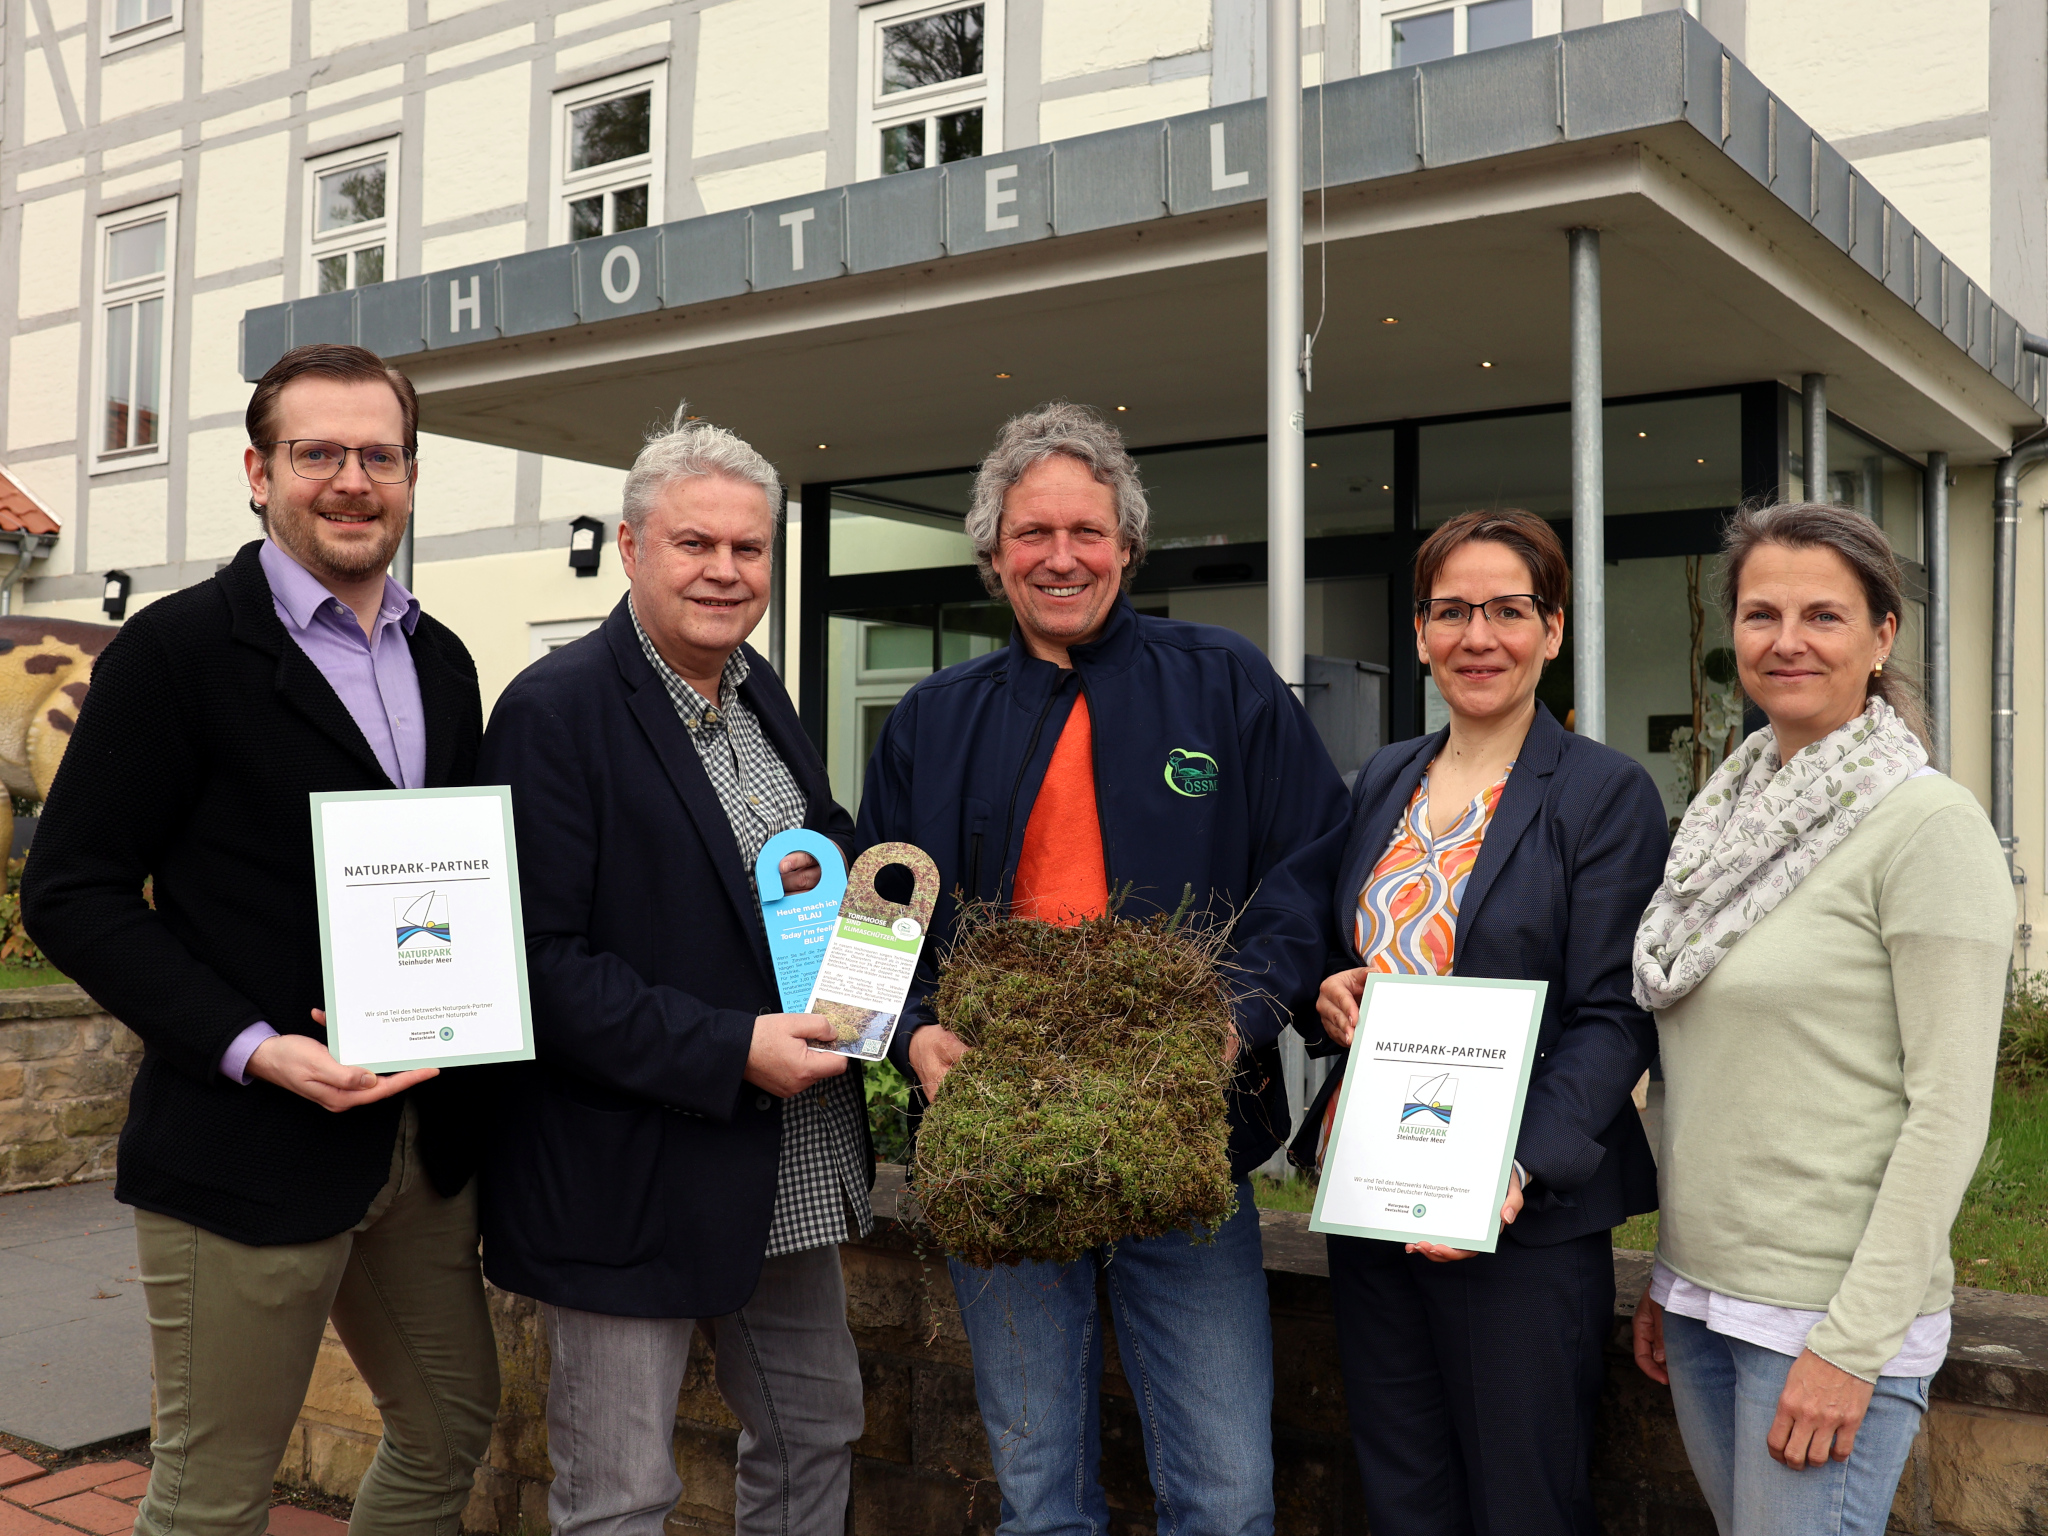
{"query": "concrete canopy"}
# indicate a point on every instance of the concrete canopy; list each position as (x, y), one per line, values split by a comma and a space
(1128, 269)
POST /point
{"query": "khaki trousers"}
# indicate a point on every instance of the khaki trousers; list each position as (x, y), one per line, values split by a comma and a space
(234, 1330)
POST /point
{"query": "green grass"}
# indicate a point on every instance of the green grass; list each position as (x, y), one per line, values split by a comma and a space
(12, 976)
(1295, 1194)
(2000, 1239)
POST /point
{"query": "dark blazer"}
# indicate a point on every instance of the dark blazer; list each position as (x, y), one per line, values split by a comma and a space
(204, 732)
(634, 1172)
(1573, 854)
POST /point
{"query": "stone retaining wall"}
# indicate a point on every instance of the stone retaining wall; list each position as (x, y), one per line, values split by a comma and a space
(1980, 1467)
(65, 1067)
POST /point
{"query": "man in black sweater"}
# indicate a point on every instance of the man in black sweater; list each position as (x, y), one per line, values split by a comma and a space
(274, 1187)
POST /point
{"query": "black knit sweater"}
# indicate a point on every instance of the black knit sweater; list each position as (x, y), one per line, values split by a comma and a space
(204, 731)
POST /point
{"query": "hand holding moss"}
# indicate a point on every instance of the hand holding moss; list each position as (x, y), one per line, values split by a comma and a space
(934, 1051)
(1337, 1004)
(781, 1060)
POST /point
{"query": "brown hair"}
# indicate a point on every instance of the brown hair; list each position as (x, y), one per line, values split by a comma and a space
(1862, 546)
(1523, 532)
(326, 360)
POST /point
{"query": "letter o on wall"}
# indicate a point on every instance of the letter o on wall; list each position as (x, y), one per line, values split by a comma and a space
(614, 290)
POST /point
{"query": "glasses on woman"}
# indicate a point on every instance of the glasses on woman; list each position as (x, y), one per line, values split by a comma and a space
(313, 459)
(1454, 613)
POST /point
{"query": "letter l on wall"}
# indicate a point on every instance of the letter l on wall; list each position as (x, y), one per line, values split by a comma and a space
(794, 222)
(1221, 180)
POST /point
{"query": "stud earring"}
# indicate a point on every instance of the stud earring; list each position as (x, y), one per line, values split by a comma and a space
(1878, 670)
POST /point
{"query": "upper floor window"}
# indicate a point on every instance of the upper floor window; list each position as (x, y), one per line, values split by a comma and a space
(931, 84)
(136, 250)
(608, 155)
(1414, 35)
(351, 216)
(129, 22)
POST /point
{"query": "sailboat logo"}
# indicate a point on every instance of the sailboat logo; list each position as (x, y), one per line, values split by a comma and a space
(1430, 1096)
(422, 921)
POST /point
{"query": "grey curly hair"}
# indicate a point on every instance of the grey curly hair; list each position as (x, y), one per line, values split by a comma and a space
(685, 448)
(1057, 427)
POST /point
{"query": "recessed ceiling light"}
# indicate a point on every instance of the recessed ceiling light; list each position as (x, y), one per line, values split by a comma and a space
(821, 445)
(1486, 365)
(1123, 407)
(1642, 434)
(1390, 320)
(1386, 487)
(1002, 375)
(1312, 464)
(1699, 461)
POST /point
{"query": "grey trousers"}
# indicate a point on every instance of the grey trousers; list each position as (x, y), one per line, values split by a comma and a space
(786, 1367)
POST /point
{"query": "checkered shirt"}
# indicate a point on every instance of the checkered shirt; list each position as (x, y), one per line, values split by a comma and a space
(821, 1195)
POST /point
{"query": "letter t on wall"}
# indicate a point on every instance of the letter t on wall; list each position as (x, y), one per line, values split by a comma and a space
(1221, 180)
(794, 222)
(998, 195)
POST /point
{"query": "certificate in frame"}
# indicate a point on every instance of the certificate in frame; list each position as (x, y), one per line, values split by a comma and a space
(422, 939)
(1430, 1110)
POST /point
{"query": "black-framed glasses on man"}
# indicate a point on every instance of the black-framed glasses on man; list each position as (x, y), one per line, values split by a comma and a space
(1516, 608)
(314, 459)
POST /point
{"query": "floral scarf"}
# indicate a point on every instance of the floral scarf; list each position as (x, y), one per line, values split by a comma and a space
(1754, 833)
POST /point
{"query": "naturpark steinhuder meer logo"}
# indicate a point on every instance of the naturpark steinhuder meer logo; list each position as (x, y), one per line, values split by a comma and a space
(423, 929)
(1430, 1097)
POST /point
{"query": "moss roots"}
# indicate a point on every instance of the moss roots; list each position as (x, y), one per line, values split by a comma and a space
(1091, 1108)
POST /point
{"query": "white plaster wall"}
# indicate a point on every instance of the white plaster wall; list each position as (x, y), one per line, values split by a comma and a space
(214, 346)
(475, 146)
(488, 244)
(138, 80)
(1946, 192)
(613, 46)
(572, 489)
(217, 517)
(762, 72)
(128, 523)
(493, 601)
(584, 17)
(241, 204)
(245, 40)
(50, 244)
(1074, 115)
(338, 24)
(438, 10)
(479, 48)
(463, 486)
(762, 183)
(42, 393)
(1084, 36)
(42, 117)
(1860, 66)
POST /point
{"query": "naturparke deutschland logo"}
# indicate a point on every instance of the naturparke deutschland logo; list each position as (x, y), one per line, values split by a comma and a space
(425, 936)
(1426, 1111)
(1191, 773)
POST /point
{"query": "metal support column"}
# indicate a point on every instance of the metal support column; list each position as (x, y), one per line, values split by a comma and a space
(1813, 431)
(2005, 538)
(1936, 491)
(1286, 561)
(1589, 494)
(813, 618)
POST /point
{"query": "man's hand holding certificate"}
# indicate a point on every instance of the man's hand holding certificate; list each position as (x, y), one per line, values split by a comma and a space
(1423, 1147)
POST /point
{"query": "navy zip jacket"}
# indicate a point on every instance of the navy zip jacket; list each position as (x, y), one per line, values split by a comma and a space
(1208, 776)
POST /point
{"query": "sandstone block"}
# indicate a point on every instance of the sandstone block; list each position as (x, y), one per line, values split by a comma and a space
(1987, 1470)
(946, 1432)
(92, 1117)
(885, 1382)
(881, 1293)
(337, 1458)
(893, 1500)
(12, 1078)
(338, 1393)
(705, 1459)
(45, 1162)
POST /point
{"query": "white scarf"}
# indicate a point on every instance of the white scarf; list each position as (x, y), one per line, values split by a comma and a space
(1754, 833)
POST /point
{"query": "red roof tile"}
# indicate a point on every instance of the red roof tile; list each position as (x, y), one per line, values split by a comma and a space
(20, 511)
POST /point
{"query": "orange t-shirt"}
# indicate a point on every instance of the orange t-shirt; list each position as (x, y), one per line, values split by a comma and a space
(1060, 878)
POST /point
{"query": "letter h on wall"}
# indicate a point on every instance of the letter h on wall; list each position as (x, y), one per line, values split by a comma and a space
(458, 305)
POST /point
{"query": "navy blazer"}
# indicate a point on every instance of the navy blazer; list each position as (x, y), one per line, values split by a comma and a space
(1571, 858)
(634, 1171)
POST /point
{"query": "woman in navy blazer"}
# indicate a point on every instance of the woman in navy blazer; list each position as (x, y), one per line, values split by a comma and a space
(1472, 1378)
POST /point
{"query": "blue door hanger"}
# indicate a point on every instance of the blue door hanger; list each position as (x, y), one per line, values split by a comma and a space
(799, 926)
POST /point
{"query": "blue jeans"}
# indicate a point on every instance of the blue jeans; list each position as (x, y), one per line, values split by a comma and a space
(1196, 1341)
(1726, 1392)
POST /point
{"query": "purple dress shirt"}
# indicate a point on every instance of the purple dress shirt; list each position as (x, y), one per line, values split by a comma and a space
(374, 677)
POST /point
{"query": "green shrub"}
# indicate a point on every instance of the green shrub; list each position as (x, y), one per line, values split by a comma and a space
(2023, 1035)
(17, 949)
(888, 1112)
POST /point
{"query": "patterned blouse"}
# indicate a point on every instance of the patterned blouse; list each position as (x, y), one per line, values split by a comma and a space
(1407, 918)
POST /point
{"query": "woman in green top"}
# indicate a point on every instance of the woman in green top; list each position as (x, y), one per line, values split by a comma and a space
(1827, 959)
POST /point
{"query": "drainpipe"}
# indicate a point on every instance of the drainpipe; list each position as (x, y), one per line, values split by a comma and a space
(1937, 608)
(1813, 421)
(2004, 597)
(1286, 451)
(30, 544)
(1589, 494)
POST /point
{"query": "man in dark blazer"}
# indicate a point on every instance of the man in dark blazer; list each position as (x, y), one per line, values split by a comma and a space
(677, 1158)
(274, 1187)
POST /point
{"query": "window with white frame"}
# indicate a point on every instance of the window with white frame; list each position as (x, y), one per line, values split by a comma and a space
(128, 22)
(137, 249)
(1415, 34)
(352, 218)
(608, 155)
(931, 84)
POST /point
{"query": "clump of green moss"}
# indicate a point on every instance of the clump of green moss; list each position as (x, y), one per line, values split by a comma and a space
(1091, 1106)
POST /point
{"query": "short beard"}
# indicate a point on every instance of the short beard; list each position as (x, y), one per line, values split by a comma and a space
(287, 524)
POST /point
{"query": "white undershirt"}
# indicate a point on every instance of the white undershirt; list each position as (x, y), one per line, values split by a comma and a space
(1784, 1329)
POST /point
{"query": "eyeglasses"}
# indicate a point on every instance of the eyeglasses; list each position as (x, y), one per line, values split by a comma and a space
(1510, 612)
(313, 459)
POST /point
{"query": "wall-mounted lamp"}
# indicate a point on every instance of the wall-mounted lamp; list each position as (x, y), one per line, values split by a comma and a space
(586, 545)
(114, 596)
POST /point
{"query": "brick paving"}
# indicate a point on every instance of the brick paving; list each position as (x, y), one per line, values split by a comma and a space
(100, 1498)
